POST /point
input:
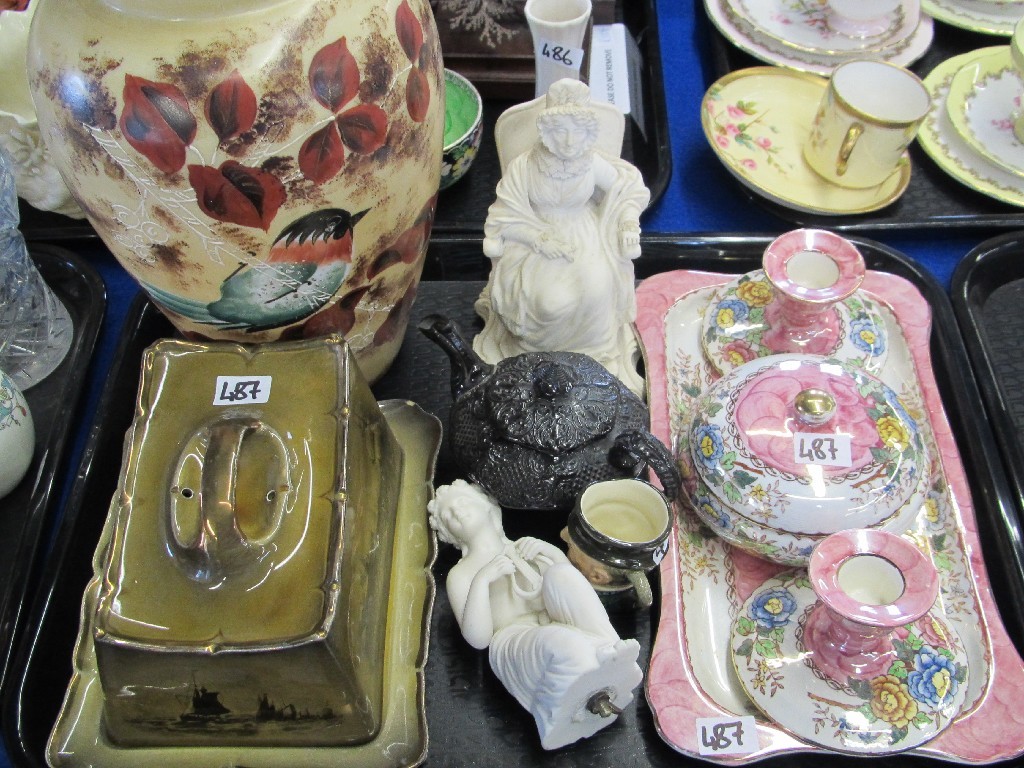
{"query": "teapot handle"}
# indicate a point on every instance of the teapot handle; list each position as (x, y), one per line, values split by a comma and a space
(205, 530)
(635, 448)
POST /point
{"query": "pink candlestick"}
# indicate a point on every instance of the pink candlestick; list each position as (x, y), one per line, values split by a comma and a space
(811, 270)
(869, 583)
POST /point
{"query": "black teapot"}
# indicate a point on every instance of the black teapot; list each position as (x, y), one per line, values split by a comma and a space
(536, 429)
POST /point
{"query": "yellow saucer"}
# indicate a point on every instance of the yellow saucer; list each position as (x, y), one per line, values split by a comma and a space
(950, 151)
(757, 121)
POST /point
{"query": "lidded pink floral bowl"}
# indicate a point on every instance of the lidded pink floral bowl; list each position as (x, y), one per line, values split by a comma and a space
(789, 449)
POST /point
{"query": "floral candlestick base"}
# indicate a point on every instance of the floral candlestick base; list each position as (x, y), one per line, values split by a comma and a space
(805, 300)
(852, 655)
(870, 584)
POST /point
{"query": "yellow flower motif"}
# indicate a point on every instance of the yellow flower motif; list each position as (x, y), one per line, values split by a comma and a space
(725, 318)
(891, 701)
(892, 432)
(707, 446)
(942, 683)
(868, 336)
(774, 606)
(757, 293)
(758, 494)
(931, 511)
(734, 357)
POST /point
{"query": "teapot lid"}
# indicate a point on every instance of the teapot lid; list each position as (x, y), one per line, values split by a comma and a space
(552, 401)
(805, 444)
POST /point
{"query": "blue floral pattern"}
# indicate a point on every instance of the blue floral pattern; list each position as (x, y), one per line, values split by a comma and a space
(867, 336)
(934, 677)
(731, 312)
(710, 446)
(773, 608)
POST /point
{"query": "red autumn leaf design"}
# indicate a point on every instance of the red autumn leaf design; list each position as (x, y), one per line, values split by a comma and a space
(322, 154)
(340, 317)
(396, 318)
(231, 107)
(364, 128)
(334, 75)
(410, 35)
(237, 194)
(417, 94)
(157, 122)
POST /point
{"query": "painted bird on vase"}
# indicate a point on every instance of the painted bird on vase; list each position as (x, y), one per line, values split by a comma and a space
(306, 265)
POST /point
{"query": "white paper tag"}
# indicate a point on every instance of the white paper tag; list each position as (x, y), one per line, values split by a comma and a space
(616, 70)
(560, 55)
(232, 390)
(825, 450)
(727, 735)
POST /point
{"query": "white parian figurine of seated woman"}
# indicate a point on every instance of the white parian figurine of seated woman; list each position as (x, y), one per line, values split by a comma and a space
(549, 638)
(561, 238)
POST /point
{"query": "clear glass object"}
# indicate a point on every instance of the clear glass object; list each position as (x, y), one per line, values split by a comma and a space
(35, 327)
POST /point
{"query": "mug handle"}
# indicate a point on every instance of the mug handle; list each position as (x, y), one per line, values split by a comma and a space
(846, 148)
(644, 595)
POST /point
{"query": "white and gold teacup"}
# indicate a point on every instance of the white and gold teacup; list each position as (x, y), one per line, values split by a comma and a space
(863, 18)
(869, 114)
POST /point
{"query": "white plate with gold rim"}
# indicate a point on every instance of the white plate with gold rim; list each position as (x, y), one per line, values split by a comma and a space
(741, 33)
(805, 27)
(983, 97)
(757, 121)
(950, 150)
(985, 16)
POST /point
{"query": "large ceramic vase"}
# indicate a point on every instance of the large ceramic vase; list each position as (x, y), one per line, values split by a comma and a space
(264, 168)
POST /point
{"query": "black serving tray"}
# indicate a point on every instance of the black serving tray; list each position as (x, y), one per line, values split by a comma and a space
(28, 513)
(472, 721)
(933, 199)
(988, 291)
(463, 206)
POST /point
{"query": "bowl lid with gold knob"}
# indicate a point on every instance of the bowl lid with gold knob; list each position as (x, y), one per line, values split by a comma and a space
(806, 444)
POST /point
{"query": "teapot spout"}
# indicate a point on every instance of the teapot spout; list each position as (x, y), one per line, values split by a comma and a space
(468, 368)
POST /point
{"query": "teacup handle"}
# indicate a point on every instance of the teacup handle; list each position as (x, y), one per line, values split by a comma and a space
(846, 148)
(642, 585)
(220, 547)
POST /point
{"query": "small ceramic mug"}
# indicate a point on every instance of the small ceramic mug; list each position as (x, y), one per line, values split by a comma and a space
(870, 112)
(617, 531)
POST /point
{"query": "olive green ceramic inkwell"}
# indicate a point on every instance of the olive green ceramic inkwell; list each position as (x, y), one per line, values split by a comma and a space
(241, 596)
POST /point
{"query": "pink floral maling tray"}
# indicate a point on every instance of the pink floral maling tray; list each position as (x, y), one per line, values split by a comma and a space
(704, 581)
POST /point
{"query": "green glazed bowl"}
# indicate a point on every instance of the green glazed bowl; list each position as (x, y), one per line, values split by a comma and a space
(463, 126)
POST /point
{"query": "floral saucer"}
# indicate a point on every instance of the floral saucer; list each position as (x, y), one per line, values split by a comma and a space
(750, 317)
(950, 150)
(741, 34)
(981, 102)
(985, 16)
(757, 121)
(805, 27)
(915, 699)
